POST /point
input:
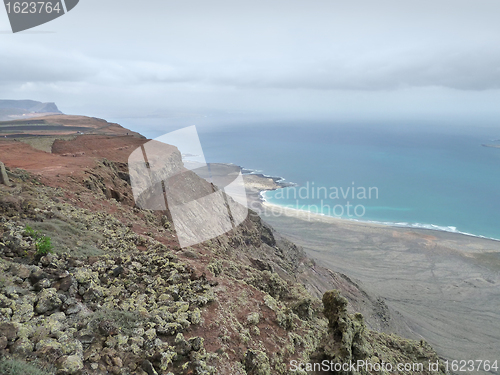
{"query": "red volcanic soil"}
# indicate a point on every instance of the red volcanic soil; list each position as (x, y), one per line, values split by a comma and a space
(102, 139)
(75, 161)
(63, 125)
(115, 148)
(69, 158)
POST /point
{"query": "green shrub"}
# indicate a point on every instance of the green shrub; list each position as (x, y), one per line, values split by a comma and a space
(43, 243)
(31, 232)
(44, 246)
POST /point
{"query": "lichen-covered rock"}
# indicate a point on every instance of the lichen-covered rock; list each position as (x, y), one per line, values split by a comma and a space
(195, 316)
(5, 314)
(84, 275)
(93, 293)
(45, 344)
(55, 327)
(149, 368)
(150, 334)
(303, 309)
(349, 341)
(182, 346)
(48, 300)
(343, 327)
(71, 346)
(42, 284)
(257, 363)
(5, 302)
(23, 310)
(253, 318)
(22, 347)
(70, 364)
(3, 342)
(20, 270)
(166, 359)
(27, 330)
(196, 343)
(8, 330)
(4, 177)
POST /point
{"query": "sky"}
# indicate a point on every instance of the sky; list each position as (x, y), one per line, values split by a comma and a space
(304, 59)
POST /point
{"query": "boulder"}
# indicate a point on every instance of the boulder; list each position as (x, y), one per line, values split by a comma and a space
(4, 178)
(71, 364)
(8, 330)
(48, 300)
(148, 367)
(196, 343)
(42, 284)
(257, 363)
(37, 274)
(20, 270)
(23, 347)
(23, 311)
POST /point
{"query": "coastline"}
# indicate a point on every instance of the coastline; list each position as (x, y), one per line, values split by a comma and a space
(262, 183)
(413, 270)
(303, 214)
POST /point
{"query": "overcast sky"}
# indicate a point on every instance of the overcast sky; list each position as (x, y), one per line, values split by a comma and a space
(339, 59)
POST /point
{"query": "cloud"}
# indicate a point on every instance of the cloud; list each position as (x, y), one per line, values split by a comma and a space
(230, 55)
(463, 70)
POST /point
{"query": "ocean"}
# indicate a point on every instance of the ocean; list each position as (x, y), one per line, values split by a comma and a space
(431, 175)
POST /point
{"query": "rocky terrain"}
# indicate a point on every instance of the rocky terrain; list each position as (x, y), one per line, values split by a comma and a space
(444, 286)
(117, 295)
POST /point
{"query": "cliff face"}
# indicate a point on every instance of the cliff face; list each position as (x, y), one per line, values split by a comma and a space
(118, 295)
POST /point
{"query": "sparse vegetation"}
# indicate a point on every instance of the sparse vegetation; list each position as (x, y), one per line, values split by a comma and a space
(216, 267)
(43, 243)
(125, 321)
(18, 367)
(67, 237)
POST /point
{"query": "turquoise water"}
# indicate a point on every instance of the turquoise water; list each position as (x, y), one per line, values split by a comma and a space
(426, 176)
(422, 178)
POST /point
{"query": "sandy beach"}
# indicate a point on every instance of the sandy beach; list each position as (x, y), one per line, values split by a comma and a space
(446, 286)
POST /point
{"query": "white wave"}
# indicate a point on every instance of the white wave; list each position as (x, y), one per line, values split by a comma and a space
(440, 228)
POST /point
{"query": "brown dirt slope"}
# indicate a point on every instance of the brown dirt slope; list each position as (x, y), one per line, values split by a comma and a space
(62, 125)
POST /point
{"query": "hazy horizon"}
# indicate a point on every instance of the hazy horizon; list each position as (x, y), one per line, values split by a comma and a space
(383, 61)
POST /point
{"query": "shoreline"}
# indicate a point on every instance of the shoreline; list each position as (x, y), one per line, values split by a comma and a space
(412, 270)
(308, 214)
(280, 182)
(320, 216)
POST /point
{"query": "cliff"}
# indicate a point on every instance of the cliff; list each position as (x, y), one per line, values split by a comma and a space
(13, 109)
(118, 295)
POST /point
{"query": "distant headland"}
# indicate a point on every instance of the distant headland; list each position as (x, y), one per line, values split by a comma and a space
(20, 109)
